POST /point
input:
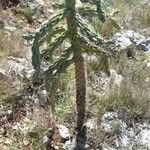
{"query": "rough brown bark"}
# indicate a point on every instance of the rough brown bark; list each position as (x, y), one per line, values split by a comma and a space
(79, 63)
(80, 89)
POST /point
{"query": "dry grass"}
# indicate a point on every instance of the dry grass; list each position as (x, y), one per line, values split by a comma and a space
(142, 14)
(132, 96)
(11, 45)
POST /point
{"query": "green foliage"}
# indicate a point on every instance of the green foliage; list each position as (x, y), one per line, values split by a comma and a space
(99, 10)
(91, 9)
(36, 60)
(82, 40)
(106, 29)
(47, 30)
(53, 46)
(87, 10)
(4, 92)
(104, 65)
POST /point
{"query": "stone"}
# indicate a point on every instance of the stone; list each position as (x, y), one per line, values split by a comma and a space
(144, 138)
(70, 144)
(45, 139)
(124, 136)
(63, 131)
(126, 38)
(91, 124)
(116, 78)
(41, 2)
(145, 45)
(10, 28)
(25, 142)
(18, 68)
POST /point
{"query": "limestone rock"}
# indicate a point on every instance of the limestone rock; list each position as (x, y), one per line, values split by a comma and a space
(145, 45)
(125, 38)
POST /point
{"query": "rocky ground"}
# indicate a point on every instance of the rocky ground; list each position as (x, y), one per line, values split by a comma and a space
(24, 115)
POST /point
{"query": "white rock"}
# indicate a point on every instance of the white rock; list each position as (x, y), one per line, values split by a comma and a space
(18, 67)
(17, 126)
(107, 119)
(144, 138)
(25, 142)
(123, 39)
(7, 141)
(9, 112)
(63, 131)
(117, 79)
(69, 145)
(148, 64)
(124, 141)
(91, 124)
(45, 139)
(147, 79)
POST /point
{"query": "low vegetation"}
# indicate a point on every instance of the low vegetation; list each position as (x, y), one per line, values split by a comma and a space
(76, 66)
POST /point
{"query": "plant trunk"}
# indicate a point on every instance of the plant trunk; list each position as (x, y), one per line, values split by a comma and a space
(78, 61)
(80, 89)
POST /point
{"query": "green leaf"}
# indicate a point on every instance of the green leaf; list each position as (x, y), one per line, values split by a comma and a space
(61, 64)
(53, 46)
(50, 35)
(40, 34)
(87, 10)
(99, 10)
(36, 62)
(48, 26)
(86, 31)
(90, 48)
(114, 23)
(104, 64)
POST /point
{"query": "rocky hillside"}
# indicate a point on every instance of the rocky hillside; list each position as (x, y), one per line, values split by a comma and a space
(118, 102)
